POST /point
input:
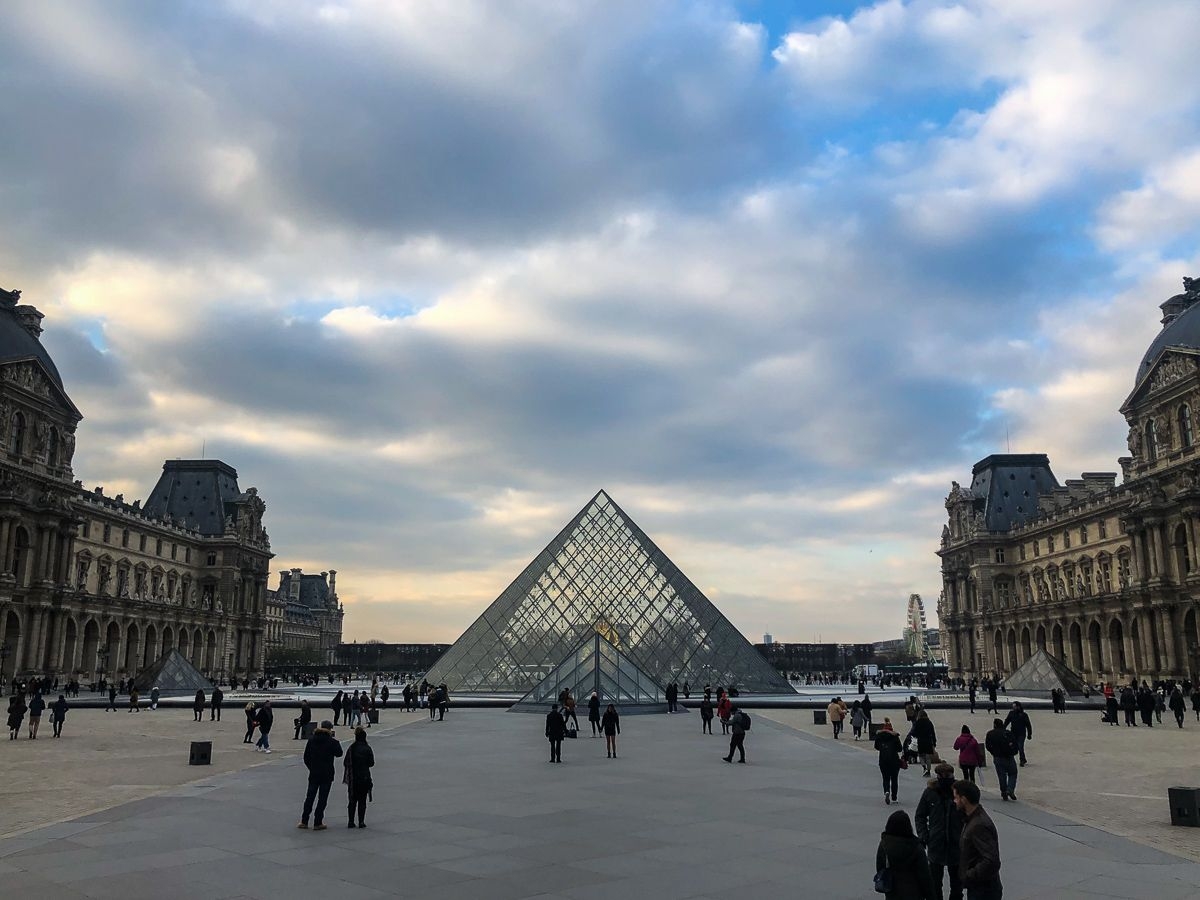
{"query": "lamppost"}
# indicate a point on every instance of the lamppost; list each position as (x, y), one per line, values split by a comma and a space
(102, 659)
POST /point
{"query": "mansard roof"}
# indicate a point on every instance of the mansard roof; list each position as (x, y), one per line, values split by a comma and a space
(17, 341)
(1009, 485)
(194, 492)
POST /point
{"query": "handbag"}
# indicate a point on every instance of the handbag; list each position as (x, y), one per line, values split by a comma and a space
(883, 878)
(572, 733)
(903, 763)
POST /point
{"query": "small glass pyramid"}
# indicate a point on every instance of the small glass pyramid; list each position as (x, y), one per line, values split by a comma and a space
(603, 575)
(173, 674)
(596, 665)
(1041, 673)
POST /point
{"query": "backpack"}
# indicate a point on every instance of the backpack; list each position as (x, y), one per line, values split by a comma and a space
(745, 721)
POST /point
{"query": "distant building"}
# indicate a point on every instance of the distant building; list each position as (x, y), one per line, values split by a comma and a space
(806, 658)
(375, 656)
(304, 619)
(768, 638)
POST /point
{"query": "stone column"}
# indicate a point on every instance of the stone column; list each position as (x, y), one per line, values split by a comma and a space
(1127, 642)
(5, 537)
(1166, 633)
(30, 635)
(48, 637)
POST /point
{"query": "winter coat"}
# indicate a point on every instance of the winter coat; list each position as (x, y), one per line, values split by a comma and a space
(594, 709)
(723, 707)
(265, 719)
(1000, 744)
(198, 703)
(1196, 700)
(835, 712)
(1128, 701)
(319, 754)
(218, 698)
(359, 760)
(1017, 721)
(910, 869)
(305, 715)
(889, 747)
(1177, 702)
(556, 726)
(857, 718)
(36, 706)
(978, 850)
(706, 710)
(939, 823)
(926, 737)
(969, 751)
(58, 711)
(611, 724)
(16, 711)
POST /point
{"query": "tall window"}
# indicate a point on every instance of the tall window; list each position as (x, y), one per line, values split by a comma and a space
(999, 554)
(1103, 526)
(17, 443)
(1151, 441)
(1186, 435)
(1049, 543)
(1066, 540)
(1082, 534)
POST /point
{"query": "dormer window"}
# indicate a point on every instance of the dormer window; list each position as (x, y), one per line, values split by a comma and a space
(1186, 434)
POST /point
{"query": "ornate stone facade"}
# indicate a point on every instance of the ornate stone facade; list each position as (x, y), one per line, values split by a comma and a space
(1101, 575)
(304, 619)
(92, 584)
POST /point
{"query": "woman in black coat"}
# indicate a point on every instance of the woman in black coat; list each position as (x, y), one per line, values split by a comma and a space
(887, 742)
(16, 715)
(594, 713)
(706, 714)
(926, 738)
(903, 856)
(336, 706)
(359, 760)
(198, 706)
(612, 727)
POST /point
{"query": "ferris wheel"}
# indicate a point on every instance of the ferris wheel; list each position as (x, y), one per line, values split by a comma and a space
(914, 630)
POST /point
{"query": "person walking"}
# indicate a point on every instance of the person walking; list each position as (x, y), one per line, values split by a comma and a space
(1129, 706)
(887, 744)
(857, 719)
(672, 696)
(556, 730)
(969, 753)
(218, 700)
(1160, 705)
(443, 704)
(1111, 706)
(384, 693)
(866, 707)
(1178, 705)
(901, 855)
(723, 711)
(133, 699)
(836, 714)
(992, 708)
(16, 714)
(926, 737)
(354, 715)
(112, 698)
(739, 724)
(336, 706)
(58, 714)
(36, 707)
(569, 708)
(706, 714)
(154, 697)
(939, 828)
(265, 719)
(198, 706)
(359, 760)
(1017, 721)
(999, 742)
(611, 724)
(971, 695)
(319, 754)
(594, 713)
(1196, 701)
(1145, 705)
(250, 724)
(303, 719)
(979, 846)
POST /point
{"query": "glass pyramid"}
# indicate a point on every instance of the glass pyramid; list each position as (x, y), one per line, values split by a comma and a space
(173, 674)
(603, 575)
(596, 665)
(1041, 673)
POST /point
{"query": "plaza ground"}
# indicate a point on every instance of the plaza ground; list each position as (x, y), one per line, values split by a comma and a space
(470, 807)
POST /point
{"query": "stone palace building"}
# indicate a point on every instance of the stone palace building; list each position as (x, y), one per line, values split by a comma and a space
(304, 619)
(92, 584)
(1100, 574)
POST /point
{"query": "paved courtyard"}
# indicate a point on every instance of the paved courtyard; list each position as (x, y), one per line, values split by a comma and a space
(470, 808)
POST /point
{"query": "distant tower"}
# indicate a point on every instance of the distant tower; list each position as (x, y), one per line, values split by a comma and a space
(768, 638)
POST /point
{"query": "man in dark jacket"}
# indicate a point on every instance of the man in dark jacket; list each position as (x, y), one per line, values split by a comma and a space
(1129, 706)
(58, 714)
(1145, 704)
(36, 707)
(1000, 744)
(215, 703)
(264, 719)
(737, 741)
(319, 754)
(556, 730)
(1017, 721)
(939, 827)
(979, 846)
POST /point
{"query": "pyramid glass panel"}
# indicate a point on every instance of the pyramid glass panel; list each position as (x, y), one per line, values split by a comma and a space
(596, 665)
(603, 575)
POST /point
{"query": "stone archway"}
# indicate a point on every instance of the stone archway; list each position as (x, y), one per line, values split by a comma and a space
(132, 657)
(12, 645)
(150, 654)
(1039, 638)
(1013, 663)
(1059, 648)
(88, 662)
(70, 645)
(1095, 645)
(1026, 645)
(998, 648)
(1116, 646)
(1077, 647)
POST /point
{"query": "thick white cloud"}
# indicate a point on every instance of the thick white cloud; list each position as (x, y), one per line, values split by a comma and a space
(431, 274)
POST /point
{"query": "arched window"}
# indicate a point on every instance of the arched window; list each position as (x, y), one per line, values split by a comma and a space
(16, 444)
(1186, 435)
(1151, 441)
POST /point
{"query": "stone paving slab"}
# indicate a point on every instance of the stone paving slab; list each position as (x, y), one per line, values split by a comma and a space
(470, 808)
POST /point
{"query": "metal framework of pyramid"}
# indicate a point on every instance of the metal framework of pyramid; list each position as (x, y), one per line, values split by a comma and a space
(173, 674)
(596, 665)
(1039, 674)
(602, 575)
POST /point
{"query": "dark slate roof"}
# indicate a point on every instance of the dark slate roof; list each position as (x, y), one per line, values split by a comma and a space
(194, 493)
(17, 343)
(1183, 331)
(314, 591)
(1009, 485)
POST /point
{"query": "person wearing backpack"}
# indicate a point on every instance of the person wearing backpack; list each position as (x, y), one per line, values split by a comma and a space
(999, 742)
(739, 722)
(939, 829)
(1020, 727)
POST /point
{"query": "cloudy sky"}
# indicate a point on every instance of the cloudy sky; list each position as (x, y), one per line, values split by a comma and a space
(431, 274)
